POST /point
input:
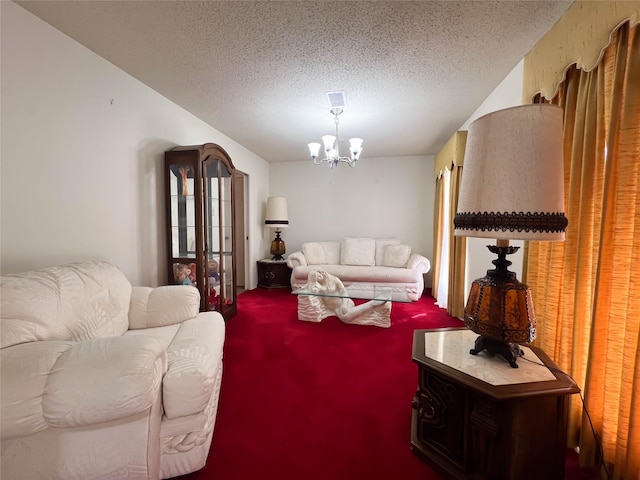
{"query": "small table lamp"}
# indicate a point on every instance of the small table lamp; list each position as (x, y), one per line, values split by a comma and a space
(277, 217)
(512, 188)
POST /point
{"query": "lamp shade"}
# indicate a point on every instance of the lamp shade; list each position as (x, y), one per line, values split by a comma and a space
(277, 215)
(513, 176)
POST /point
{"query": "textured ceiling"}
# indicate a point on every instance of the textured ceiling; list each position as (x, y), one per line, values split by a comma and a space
(258, 71)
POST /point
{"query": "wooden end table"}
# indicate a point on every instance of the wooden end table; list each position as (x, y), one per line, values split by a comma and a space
(475, 417)
(273, 274)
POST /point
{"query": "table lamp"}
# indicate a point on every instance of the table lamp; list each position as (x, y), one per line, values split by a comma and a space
(277, 217)
(512, 188)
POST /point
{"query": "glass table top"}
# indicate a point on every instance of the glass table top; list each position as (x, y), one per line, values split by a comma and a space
(362, 291)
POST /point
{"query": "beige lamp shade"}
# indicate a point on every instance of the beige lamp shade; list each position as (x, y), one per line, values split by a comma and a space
(513, 177)
(277, 215)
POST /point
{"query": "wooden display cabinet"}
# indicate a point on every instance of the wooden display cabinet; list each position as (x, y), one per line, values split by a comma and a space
(200, 228)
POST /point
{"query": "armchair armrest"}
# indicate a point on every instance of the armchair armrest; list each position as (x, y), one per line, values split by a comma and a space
(419, 263)
(25, 368)
(64, 384)
(160, 306)
(296, 259)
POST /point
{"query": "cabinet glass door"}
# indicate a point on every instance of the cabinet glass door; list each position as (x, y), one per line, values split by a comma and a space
(212, 234)
(226, 235)
(182, 223)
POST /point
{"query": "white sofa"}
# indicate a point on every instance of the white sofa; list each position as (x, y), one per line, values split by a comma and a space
(382, 261)
(103, 380)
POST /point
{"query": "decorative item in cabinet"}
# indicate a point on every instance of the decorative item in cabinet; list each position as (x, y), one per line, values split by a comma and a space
(200, 229)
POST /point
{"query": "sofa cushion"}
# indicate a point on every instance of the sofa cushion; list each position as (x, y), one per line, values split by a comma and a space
(358, 251)
(362, 274)
(332, 252)
(77, 302)
(396, 256)
(314, 253)
(80, 388)
(381, 243)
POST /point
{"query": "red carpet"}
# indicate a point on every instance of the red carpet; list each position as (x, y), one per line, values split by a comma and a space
(317, 401)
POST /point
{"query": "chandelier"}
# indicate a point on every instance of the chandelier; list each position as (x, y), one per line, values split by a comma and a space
(332, 146)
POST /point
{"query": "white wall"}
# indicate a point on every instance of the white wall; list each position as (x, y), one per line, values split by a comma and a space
(379, 197)
(507, 94)
(81, 158)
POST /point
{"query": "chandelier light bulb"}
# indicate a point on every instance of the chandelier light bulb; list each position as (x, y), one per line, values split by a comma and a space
(355, 148)
(314, 149)
(328, 140)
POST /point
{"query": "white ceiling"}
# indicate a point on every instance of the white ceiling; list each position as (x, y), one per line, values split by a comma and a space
(257, 71)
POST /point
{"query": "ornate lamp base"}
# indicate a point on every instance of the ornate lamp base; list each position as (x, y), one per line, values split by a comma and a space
(277, 247)
(500, 310)
(510, 351)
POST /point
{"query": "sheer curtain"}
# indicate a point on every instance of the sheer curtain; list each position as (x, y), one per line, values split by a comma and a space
(438, 216)
(442, 281)
(586, 289)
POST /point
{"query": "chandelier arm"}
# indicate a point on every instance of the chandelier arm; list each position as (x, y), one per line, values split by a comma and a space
(347, 160)
(333, 161)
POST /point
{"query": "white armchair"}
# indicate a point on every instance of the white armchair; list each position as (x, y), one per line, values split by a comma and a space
(101, 379)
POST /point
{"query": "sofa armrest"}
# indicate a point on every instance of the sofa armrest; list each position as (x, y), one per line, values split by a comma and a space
(419, 263)
(160, 306)
(64, 384)
(296, 259)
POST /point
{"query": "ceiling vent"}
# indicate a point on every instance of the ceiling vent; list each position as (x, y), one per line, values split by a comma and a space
(337, 99)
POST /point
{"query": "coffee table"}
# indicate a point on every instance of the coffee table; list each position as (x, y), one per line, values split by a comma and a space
(315, 304)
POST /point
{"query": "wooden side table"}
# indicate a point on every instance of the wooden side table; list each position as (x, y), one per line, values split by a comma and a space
(475, 417)
(273, 274)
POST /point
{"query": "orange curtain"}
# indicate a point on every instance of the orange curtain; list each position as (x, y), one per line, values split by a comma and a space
(457, 246)
(586, 290)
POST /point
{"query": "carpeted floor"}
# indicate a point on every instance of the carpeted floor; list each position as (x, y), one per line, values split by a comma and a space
(319, 401)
